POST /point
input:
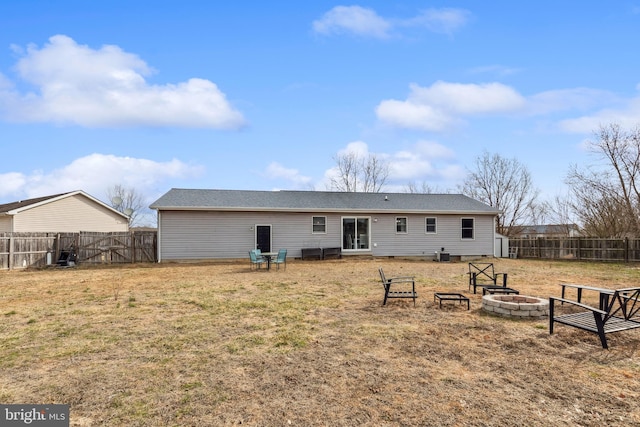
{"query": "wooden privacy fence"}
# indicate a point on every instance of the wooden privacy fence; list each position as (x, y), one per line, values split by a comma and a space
(578, 248)
(22, 250)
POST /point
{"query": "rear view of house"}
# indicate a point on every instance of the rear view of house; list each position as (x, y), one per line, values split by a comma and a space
(216, 224)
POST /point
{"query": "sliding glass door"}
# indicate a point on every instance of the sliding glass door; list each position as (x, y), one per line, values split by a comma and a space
(355, 233)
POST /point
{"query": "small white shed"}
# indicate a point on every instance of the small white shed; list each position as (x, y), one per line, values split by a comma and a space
(501, 247)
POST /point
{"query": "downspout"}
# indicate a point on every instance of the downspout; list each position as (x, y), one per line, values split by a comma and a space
(158, 238)
(495, 223)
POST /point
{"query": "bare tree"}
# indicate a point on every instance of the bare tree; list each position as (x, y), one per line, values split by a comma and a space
(355, 173)
(127, 201)
(348, 171)
(419, 188)
(560, 213)
(505, 184)
(424, 187)
(607, 198)
(375, 172)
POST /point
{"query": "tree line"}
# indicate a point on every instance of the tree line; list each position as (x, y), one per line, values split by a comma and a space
(602, 198)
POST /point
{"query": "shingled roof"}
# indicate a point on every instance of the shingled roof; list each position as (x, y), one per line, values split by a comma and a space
(285, 200)
(15, 207)
(7, 207)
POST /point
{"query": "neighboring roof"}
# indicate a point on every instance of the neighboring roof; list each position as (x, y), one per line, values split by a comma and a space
(241, 200)
(7, 207)
(21, 205)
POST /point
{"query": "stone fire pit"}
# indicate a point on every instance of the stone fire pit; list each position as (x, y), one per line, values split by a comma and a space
(520, 306)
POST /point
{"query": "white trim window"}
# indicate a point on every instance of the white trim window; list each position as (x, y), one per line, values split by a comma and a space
(356, 234)
(430, 225)
(402, 225)
(319, 225)
(467, 228)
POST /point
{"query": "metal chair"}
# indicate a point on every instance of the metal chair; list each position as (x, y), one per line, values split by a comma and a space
(255, 259)
(281, 259)
(407, 282)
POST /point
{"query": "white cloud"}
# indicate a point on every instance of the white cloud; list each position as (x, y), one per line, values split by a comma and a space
(413, 115)
(12, 183)
(276, 171)
(96, 173)
(407, 165)
(626, 114)
(366, 22)
(359, 148)
(434, 150)
(107, 88)
(436, 108)
(443, 106)
(568, 99)
(444, 21)
(352, 19)
(468, 99)
(425, 161)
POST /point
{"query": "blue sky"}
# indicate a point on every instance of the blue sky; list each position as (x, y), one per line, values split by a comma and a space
(263, 95)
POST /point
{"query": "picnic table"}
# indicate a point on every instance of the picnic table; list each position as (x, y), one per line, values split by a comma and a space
(605, 293)
(618, 310)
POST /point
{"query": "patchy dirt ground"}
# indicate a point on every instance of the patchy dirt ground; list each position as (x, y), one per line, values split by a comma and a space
(218, 344)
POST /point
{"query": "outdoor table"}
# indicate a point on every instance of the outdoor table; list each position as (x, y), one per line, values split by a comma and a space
(604, 293)
(449, 296)
(268, 256)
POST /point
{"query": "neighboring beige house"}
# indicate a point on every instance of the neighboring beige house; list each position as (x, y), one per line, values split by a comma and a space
(64, 213)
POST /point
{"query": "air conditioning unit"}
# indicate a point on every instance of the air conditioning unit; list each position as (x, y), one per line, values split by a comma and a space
(442, 256)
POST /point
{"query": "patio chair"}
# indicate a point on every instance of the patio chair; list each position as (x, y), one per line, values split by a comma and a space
(482, 274)
(281, 259)
(255, 259)
(407, 282)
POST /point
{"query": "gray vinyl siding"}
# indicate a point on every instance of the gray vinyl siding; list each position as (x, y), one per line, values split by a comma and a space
(214, 235)
(201, 235)
(416, 242)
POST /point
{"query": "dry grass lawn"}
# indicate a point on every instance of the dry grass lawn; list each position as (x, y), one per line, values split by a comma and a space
(218, 344)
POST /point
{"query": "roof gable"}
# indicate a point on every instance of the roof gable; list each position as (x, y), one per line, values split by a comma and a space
(19, 206)
(7, 207)
(286, 200)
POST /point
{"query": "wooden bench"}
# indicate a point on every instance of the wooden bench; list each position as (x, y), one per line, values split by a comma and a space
(308, 253)
(618, 310)
(331, 253)
(482, 274)
(406, 283)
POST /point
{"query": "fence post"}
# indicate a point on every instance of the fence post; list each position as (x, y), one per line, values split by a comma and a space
(10, 251)
(539, 244)
(626, 249)
(579, 248)
(132, 236)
